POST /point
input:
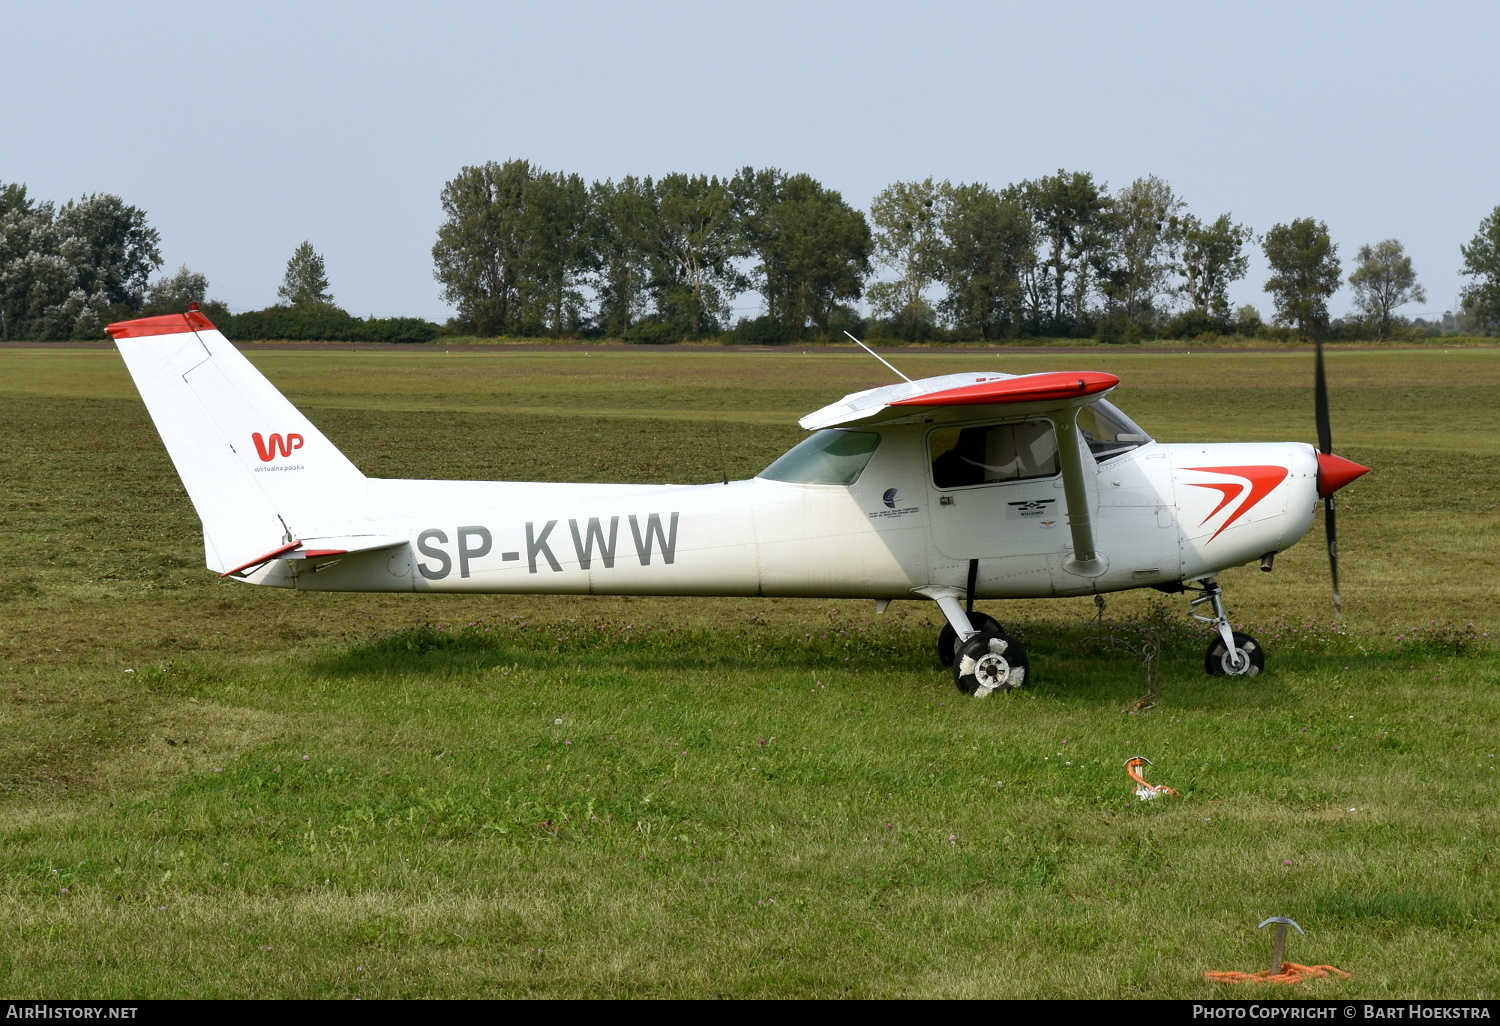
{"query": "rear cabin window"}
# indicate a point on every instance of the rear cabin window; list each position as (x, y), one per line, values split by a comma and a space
(829, 457)
(988, 455)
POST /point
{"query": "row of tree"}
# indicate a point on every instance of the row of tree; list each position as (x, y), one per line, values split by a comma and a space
(523, 251)
(67, 271)
(1057, 255)
(306, 309)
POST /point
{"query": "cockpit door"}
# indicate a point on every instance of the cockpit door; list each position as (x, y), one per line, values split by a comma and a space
(996, 490)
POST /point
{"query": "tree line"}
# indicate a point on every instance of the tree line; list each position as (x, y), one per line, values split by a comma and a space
(529, 252)
(524, 251)
(66, 272)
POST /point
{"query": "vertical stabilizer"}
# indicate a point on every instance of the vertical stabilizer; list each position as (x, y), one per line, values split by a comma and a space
(260, 475)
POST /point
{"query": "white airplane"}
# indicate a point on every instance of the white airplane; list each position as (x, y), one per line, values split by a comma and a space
(952, 488)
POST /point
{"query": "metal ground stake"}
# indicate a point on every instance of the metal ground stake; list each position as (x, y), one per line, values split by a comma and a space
(1278, 942)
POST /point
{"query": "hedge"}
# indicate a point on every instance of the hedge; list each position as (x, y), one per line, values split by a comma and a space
(324, 325)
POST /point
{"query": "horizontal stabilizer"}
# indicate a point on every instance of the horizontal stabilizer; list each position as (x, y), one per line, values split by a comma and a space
(320, 548)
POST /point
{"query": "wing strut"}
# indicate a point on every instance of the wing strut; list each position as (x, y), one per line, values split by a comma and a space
(1086, 561)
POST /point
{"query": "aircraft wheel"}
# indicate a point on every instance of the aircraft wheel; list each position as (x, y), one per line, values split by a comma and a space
(947, 642)
(1247, 661)
(990, 661)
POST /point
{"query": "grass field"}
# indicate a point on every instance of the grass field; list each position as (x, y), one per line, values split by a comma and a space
(213, 790)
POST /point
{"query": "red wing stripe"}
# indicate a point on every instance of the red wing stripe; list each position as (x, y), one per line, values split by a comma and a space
(1263, 481)
(1027, 388)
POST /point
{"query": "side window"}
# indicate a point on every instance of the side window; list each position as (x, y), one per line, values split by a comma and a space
(986, 455)
(827, 457)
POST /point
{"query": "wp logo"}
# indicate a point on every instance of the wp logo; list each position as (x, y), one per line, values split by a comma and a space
(277, 445)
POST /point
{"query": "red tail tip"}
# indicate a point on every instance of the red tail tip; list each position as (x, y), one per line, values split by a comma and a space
(166, 324)
(1334, 472)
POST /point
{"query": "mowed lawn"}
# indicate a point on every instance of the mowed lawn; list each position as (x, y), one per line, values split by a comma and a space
(212, 790)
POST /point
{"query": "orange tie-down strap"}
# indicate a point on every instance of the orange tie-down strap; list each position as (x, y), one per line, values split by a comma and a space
(1291, 972)
(1133, 767)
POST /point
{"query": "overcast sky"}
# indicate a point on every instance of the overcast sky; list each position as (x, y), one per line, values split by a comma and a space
(244, 129)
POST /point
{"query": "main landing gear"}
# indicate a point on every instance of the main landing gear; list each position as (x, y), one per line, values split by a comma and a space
(989, 661)
(1233, 653)
(984, 658)
(948, 642)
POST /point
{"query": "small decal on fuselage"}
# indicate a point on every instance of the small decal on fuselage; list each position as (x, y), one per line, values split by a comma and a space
(886, 514)
(891, 510)
(1031, 509)
(594, 540)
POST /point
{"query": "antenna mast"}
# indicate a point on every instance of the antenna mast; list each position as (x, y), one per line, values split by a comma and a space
(877, 356)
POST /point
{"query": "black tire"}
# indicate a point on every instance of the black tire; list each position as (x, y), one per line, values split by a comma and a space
(947, 641)
(1218, 664)
(990, 661)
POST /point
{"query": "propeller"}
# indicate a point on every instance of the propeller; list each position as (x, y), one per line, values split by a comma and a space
(1333, 473)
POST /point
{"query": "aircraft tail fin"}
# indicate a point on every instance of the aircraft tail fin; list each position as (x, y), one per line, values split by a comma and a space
(257, 470)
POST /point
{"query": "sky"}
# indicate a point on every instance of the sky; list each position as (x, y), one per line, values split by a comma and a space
(244, 129)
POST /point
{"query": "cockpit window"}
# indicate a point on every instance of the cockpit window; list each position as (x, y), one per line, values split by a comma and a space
(998, 452)
(1107, 431)
(827, 457)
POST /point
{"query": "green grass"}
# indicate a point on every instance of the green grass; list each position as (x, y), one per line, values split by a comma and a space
(372, 796)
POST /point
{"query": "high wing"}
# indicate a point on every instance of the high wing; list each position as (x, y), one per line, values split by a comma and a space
(1056, 395)
(1027, 394)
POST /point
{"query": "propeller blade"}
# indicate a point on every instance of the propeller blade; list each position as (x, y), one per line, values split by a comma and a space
(1325, 445)
(1320, 404)
(1330, 527)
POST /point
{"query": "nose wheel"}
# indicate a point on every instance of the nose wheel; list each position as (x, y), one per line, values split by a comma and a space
(1245, 659)
(1233, 653)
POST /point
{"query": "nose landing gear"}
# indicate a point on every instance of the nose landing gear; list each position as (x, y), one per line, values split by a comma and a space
(1245, 659)
(1233, 653)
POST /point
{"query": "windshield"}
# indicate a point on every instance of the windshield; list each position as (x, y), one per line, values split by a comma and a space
(826, 457)
(1107, 431)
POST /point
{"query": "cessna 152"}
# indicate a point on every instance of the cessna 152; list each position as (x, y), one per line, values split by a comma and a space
(951, 488)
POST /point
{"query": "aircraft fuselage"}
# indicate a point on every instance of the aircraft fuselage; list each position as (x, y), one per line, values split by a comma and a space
(1161, 513)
